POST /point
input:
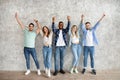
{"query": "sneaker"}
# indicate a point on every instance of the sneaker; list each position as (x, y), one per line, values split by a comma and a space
(94, 71)
(49, 73)
(55, 73)
(62, 71)
(71, 71)
(76, 71)
(83, 71)
(27, 72)
(46, 71)
(38, 72)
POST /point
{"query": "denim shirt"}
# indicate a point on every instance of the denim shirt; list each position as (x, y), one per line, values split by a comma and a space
(78, 33)
(93, 29)
(64, 32)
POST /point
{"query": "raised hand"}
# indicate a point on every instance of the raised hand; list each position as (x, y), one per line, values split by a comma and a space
(19, 21)
(53, 19)
(101, 17)
(68, 18)
(103, 14)
(16, 15)
(82, 16)
(35, 20)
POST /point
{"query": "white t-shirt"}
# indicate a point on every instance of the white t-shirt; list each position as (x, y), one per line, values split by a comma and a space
(47, 41)
(60, 41)
(89, 38)
(75, 39)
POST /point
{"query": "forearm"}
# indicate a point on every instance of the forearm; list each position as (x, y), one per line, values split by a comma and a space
(68, 25)
(53, 26)
(19, 22)
(82, 25)
(38, 25)
(101, 18)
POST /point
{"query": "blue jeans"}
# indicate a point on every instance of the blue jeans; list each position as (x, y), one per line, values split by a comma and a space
(76, 51)
(89, 49)
(27, 52)
(47, 54)
(59, 56)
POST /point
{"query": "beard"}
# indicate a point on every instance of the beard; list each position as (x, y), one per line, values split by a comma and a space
(60, 27)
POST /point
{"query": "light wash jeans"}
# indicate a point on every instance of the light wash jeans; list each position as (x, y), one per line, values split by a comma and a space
(76, 51)
(47, 54)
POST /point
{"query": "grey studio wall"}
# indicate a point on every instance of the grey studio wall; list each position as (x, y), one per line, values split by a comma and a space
(107, 54)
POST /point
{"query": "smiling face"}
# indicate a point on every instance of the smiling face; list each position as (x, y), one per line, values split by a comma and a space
(31, 27)
(74, 29)
(45, 29)
(87, 25)
(60, 25)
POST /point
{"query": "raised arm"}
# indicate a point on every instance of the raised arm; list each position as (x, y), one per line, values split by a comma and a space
(95, 26)
(68, 25)
(53, 24)
(38, 26)
(81, 23)
(101, 18)
(19, 21)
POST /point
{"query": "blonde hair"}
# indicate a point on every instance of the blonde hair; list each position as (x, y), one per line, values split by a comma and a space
(76, 32)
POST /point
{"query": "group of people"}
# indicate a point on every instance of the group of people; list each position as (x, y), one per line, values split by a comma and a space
(76, 42)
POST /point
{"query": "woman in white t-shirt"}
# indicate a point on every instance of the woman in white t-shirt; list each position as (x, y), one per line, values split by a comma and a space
(47, 48)
(46, 33)
(75, 43)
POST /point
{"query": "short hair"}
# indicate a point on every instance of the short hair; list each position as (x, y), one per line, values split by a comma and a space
(31, 24)
(60, 22)
(87, 23)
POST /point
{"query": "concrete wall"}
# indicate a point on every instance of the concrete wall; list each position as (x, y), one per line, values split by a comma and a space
(107, 54)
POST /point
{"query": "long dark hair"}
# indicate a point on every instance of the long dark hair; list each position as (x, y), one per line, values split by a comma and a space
(45, 32)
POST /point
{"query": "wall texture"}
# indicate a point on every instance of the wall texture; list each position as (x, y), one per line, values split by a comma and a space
(107, 54)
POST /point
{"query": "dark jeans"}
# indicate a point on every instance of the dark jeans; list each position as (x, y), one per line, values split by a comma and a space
(27, 52)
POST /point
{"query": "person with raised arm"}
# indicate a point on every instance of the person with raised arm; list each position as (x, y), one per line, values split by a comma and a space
(46, 33)
(75, 44)
(60, 44)
(89, 41)
(29, 44)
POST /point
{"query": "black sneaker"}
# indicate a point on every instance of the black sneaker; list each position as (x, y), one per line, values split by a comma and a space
(94, 71)
(83, 71)
(61, 71)
(55, 73)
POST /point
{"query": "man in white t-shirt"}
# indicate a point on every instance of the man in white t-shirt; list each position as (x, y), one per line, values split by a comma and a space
(60, 44)
(89, 41)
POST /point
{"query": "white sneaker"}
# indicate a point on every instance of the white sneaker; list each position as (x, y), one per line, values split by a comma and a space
(38, 72)
(71, 71)
(76, 71)
(46, 71)
(27, 72)
(49, 73)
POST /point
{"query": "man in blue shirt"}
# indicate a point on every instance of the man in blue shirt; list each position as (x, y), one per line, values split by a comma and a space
(89, 41)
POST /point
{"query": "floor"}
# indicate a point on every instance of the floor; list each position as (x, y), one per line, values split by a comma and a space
(101, 75)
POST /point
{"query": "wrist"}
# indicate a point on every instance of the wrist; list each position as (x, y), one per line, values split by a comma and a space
(36, 21)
